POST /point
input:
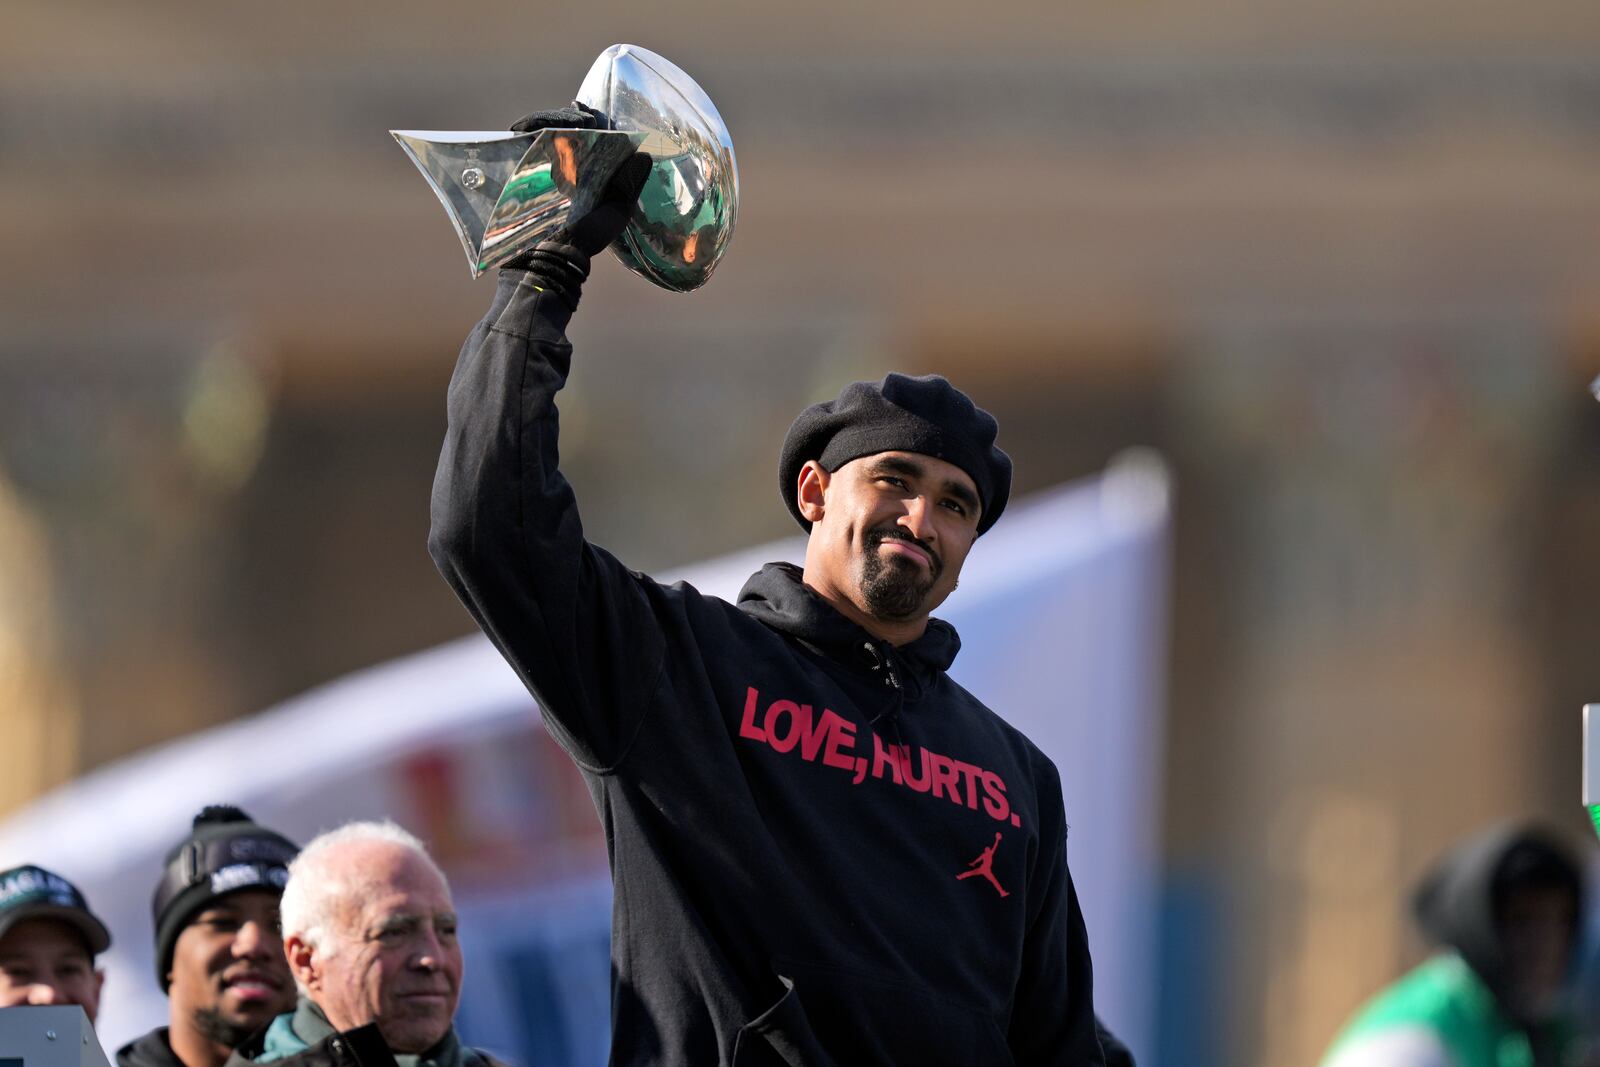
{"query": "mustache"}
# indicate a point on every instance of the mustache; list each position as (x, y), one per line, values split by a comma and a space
(880, 534)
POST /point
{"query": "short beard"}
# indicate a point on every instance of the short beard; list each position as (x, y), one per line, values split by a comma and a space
(214, 1027)
(895, 591)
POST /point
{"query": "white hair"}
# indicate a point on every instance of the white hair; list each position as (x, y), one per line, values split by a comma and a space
(314, 893)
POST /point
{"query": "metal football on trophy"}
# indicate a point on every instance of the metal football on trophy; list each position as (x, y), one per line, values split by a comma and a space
(506, 192)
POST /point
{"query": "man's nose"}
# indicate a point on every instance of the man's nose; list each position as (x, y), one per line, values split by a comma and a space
(41, 994)
(251, 940)
(428, 954)
(918, 520)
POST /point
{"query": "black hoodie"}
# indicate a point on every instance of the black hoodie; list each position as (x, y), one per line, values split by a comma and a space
(825, 851)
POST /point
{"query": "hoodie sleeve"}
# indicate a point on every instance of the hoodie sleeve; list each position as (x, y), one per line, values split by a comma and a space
(1116, 1053)
(574, 623)
(1052, 1018)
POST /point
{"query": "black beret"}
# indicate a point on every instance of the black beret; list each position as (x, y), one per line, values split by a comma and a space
(924, 414)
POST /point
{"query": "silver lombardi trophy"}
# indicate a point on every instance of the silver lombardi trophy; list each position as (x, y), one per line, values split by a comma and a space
(506, 192)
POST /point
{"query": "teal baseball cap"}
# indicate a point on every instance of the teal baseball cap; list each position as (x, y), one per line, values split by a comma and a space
(31, 892)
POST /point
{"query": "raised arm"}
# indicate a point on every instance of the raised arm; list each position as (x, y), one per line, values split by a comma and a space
(576, 625)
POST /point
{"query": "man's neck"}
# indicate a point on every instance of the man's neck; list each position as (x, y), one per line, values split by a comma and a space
(896, 632)
(194, 1048)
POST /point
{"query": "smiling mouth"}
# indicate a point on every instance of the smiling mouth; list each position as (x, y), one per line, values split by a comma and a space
(252, 986)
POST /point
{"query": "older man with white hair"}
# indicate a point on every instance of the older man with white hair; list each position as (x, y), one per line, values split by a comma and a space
(370, 933)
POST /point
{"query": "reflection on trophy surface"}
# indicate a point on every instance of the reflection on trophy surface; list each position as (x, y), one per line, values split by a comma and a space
(506, 192)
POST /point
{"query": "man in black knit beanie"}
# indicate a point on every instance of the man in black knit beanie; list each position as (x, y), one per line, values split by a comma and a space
(219, 950)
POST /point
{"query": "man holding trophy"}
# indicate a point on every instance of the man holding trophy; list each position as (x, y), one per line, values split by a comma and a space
(825, 851)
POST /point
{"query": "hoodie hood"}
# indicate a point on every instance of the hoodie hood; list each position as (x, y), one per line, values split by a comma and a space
(1455, 904)
(776, 597)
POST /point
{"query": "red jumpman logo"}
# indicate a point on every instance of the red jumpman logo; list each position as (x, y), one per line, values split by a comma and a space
(984, 865)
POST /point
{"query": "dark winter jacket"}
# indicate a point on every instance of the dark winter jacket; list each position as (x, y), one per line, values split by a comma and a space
(361, 1047)
(305, 1038)
(825, 851)
(151, 1050)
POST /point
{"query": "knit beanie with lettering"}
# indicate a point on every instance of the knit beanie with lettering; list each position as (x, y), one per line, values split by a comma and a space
(226, 852)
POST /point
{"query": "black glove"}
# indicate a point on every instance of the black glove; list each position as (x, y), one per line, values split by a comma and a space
(572, 117)
(604, 222)
(562, 260)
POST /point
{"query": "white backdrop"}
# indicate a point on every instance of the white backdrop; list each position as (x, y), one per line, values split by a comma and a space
(1062, 614)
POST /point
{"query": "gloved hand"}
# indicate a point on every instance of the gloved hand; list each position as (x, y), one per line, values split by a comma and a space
(572, 117)
(562, 260)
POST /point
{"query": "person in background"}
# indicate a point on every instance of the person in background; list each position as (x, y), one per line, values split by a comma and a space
(48, 942)
(1504, 909)
(369, 930)
(219, 951)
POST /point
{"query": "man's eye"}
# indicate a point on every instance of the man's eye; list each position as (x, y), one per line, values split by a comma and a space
(447, 930)
(898, 483)
(19, 975)
(955, 506)
(397, 932)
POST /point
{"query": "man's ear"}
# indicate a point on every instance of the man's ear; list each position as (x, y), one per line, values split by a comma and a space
(301, 955)
(812, 496)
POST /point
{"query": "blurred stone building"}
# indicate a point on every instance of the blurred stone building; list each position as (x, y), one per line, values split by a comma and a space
(1338, 262)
